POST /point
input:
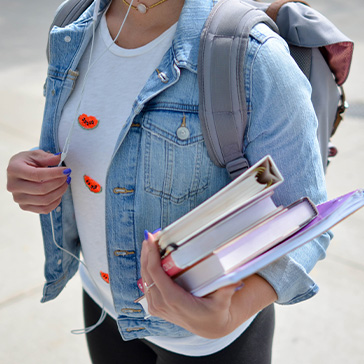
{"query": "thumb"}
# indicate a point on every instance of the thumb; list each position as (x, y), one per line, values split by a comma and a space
(227, 291)
(33, 166)
(40, 158)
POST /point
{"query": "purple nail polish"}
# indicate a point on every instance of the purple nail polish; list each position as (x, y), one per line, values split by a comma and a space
(146, 232)
(155, 231)
(238, 288)
(67, 171)
(58, 153)
(68, 180)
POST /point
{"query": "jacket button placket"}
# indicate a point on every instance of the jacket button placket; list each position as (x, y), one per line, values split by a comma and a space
(121, 245)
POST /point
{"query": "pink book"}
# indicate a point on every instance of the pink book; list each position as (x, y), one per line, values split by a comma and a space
(330, 213)
(248, 245)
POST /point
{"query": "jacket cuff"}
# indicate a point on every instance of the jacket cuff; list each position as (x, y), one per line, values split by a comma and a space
(289, 275)
(290, 281)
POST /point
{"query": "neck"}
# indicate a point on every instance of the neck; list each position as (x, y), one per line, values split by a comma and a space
(139, 28)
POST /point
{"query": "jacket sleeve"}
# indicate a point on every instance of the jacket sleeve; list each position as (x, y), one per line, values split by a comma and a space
(282, 123)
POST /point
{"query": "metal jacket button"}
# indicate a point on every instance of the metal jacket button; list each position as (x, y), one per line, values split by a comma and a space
(182, 132)
(130, 310)
(122, 190)
(162, 76)
(123, 253)
(131, 329)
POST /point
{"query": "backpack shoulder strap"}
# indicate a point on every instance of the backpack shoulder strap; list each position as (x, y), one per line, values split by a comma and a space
(222, 105)
(68, 11)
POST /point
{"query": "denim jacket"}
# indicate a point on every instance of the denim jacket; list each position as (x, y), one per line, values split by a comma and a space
(156, 175)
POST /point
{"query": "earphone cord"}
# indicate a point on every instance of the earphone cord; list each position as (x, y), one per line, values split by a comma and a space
(90, 65)
(64, 155)
(103, 313)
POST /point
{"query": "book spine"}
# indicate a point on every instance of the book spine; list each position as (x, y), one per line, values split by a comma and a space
(169, 266)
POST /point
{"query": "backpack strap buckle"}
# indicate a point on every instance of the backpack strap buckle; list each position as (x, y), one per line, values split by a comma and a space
(340, 111)
(237, 167)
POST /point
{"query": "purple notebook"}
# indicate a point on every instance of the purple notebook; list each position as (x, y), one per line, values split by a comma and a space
(330, 213)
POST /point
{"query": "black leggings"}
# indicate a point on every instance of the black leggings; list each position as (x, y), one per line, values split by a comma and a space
(106, 346)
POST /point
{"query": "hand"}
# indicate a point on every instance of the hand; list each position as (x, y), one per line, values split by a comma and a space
(213, 316)
(35, 186)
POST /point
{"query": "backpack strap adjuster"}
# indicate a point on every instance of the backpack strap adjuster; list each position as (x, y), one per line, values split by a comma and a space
(237, 167)
(340, 111)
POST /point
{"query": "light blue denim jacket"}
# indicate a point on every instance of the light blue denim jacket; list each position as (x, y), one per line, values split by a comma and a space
(155, 177)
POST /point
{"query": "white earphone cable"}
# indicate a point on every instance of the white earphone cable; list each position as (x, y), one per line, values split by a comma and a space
(103, 313)
(66, 148)
(68, 139)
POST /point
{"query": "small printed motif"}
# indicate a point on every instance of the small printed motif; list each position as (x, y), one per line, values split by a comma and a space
(92, 185)
(88, 122)
(104, 276)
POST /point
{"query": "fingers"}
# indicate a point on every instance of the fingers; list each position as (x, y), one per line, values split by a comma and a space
(41, 209)
(35, 186)
(21, 186)
(171, 302)
(33, 166)
(154, 270)
(147, 280)
(165, 297)
(41, 204)
(39, 158)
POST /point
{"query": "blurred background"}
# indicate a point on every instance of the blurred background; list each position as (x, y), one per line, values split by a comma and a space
(328, 328)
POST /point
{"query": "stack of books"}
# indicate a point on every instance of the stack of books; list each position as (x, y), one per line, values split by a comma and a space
(240, 230)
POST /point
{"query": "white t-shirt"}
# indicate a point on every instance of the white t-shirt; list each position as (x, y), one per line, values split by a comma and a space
(96, 113)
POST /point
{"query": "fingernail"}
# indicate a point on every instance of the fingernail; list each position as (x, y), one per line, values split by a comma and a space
(155, 231)
(58, 153)
(67, 171)
(68, 180)
(146, 232)
(238, 288)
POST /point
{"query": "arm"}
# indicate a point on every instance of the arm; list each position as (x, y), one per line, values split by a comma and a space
(282, 123)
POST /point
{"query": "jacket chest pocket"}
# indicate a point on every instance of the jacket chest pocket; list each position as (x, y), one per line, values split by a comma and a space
(176, 164)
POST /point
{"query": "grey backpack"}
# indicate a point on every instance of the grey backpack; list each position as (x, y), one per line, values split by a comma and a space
(321, 51)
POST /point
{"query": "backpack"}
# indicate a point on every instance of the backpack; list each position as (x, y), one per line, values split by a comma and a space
(321, 51)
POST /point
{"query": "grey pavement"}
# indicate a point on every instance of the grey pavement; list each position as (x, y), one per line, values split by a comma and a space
(326, 329)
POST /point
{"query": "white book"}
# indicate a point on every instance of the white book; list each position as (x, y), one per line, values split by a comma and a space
(219, 233)
(258, 180)
(248, 245)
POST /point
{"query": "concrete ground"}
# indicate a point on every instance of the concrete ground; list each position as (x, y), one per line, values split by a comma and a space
(326, 329)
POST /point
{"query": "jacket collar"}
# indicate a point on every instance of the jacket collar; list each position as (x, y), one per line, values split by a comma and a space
(187, 38)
